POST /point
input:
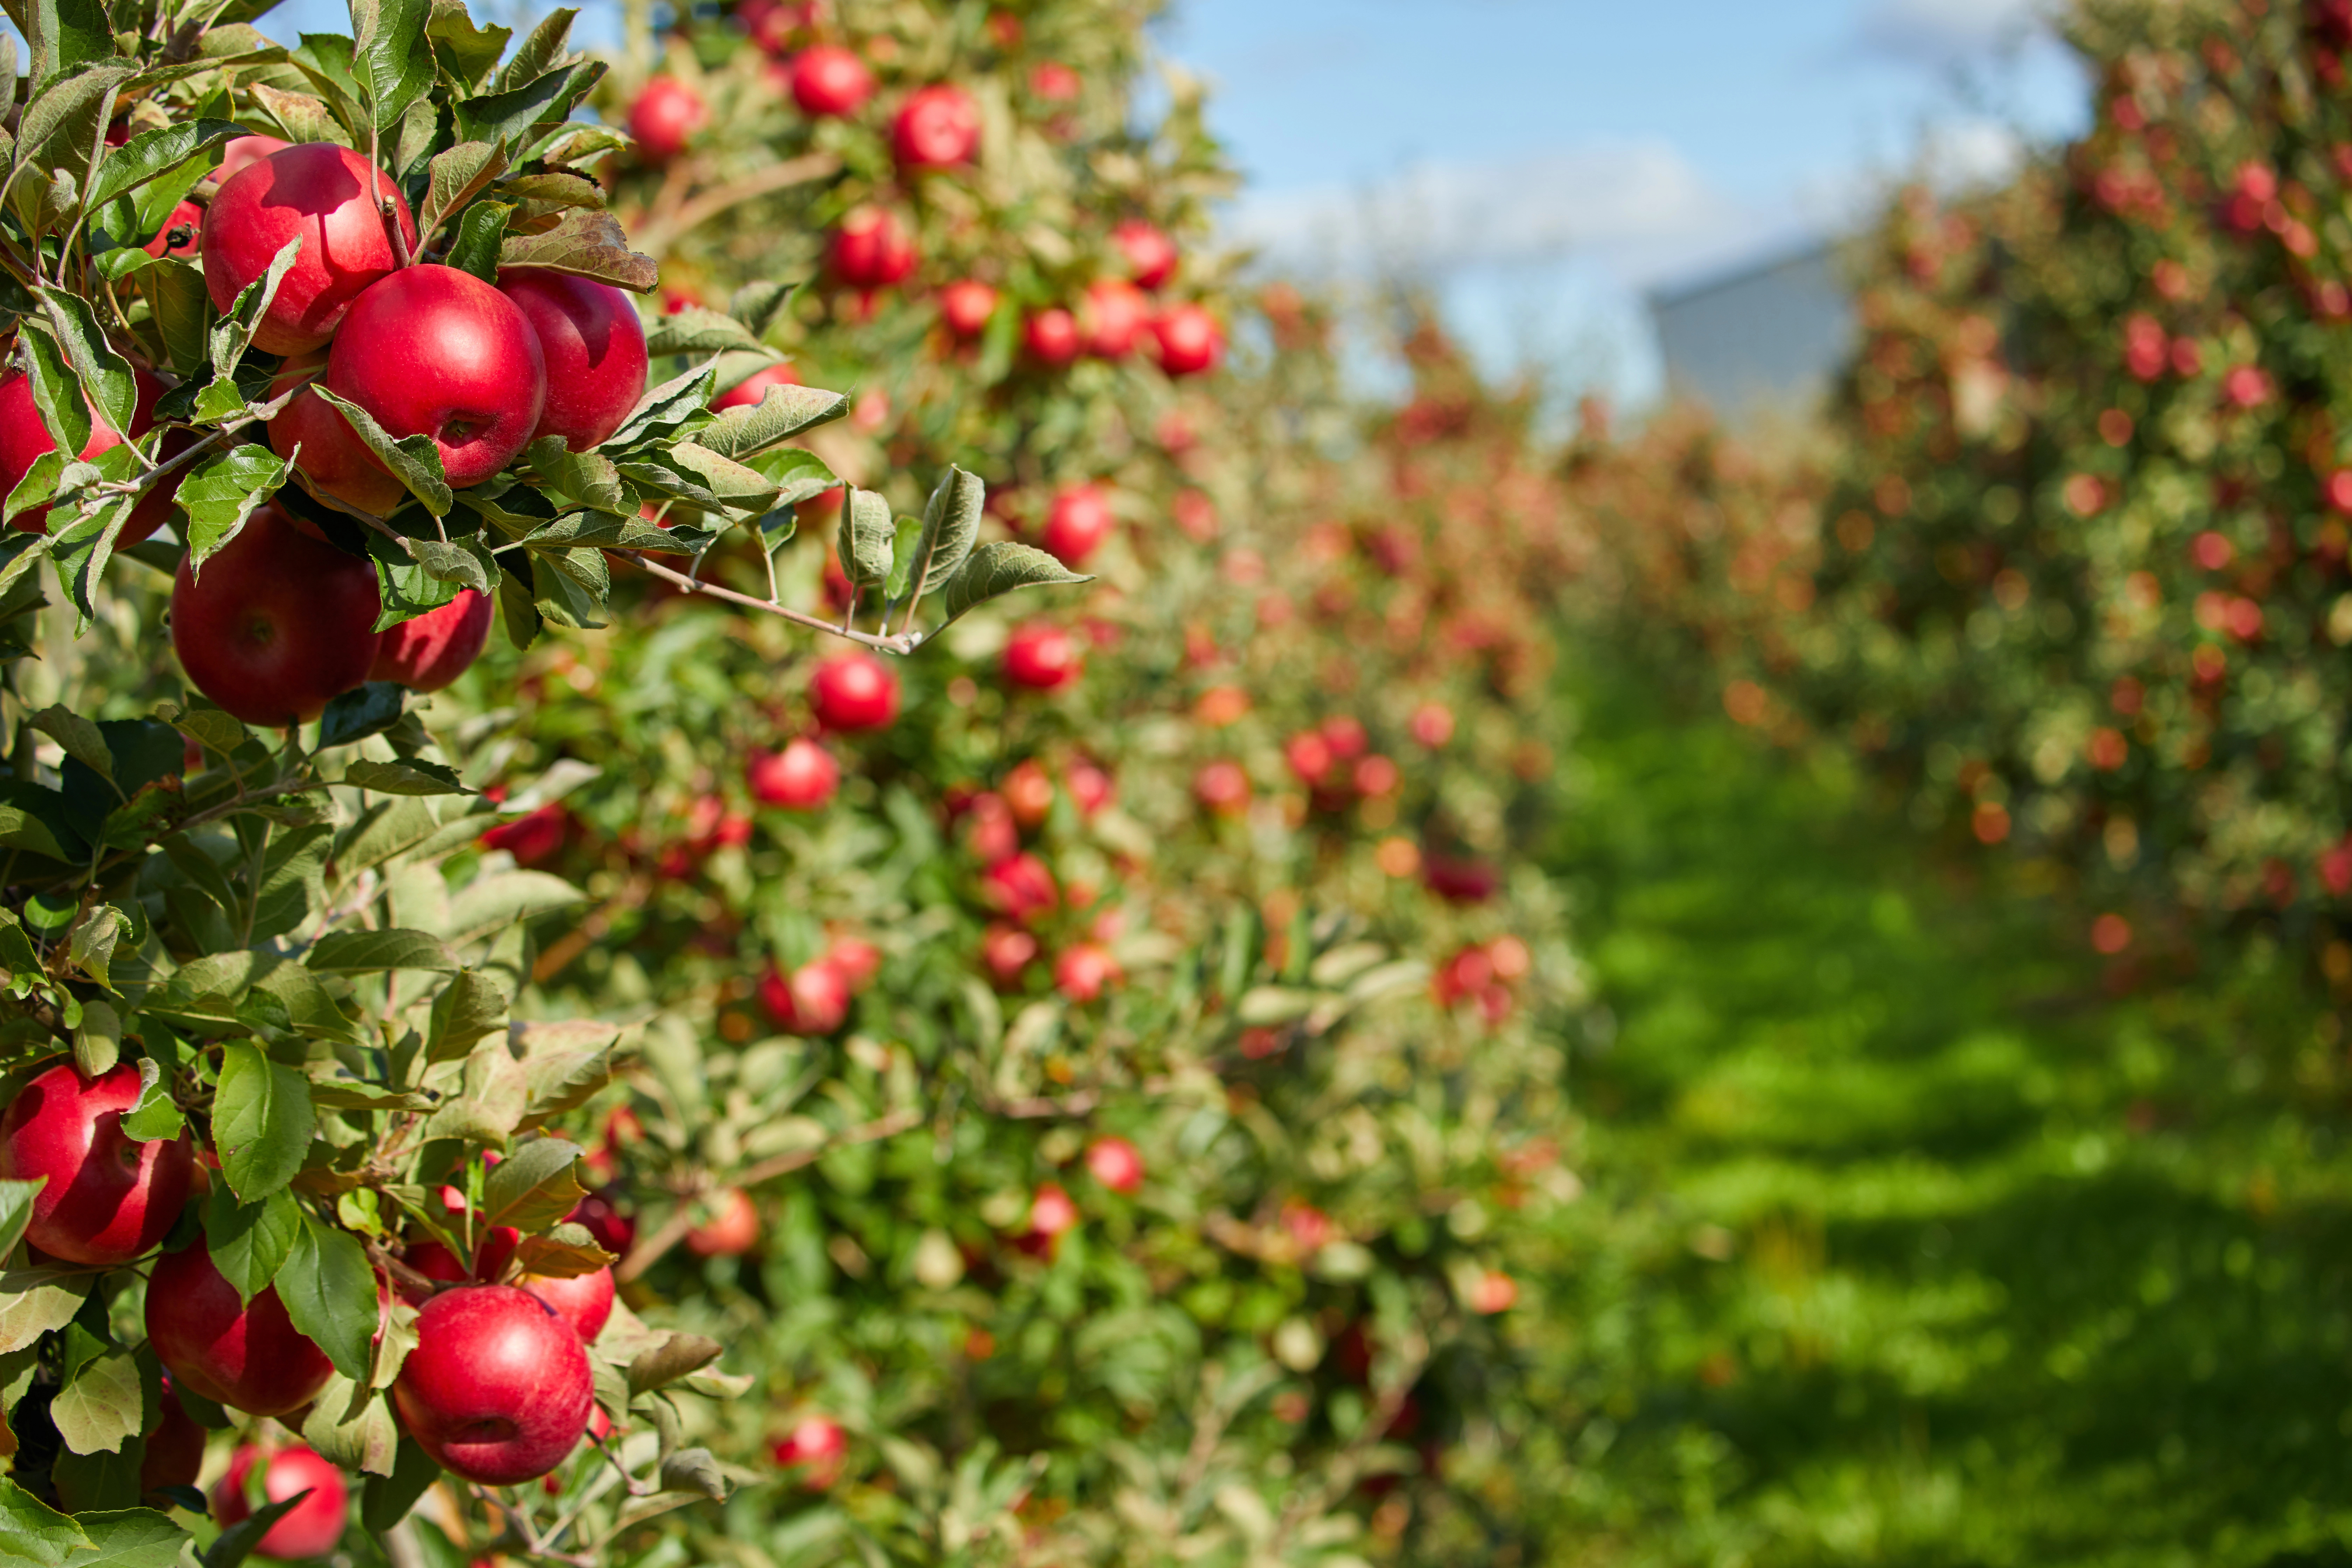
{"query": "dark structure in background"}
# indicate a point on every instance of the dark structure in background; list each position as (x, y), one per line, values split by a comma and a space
(1764, 337)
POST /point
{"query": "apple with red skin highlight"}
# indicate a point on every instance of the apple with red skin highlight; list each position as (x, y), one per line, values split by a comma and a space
(748, 391)
(1051, 1215)
(1090, 788)
(966, 305)
(1055, 82)
(854, 692)
(1020, 887)
(245, 1354)
(733, 1230)
(311, 1528)
(324, 194)
(240, 152)
(278, 624)
(829, 80)
(1006, 950)
(1075, 526)
(435, 351)
(1115, 1164)
(1028, 793)
(1189, 339)
(599, 1214)
(583, 1300)
(1151, 254)
(813, 1000)
(430, 652)
(24, 439)
(937, 128)
(801, 778)
(109, 1198)
(815, 1446)
(532, 837)
(1051, 336)
(1309, 756)
(173, 1450)
(1040, 657)
(1112, 315)
(497, 1389)
(1085, 970)
(1431, 724)
(871, 249)
(320, 442)
(592, 348)
(991, 833)
(1222, 787)
(665, 117)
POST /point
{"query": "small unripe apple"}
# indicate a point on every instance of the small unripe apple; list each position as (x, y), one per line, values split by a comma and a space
(592, 347)
(872, 249)
(1222, 787)
(174, 1451)
(23, 438)
(327, 195)
(1040, 656)
(1112, 315)
(831, 81)
(314, 434)
(497, 1389)
(1051, 336)
(1115, 1164)
(278, 625)
(436, 648)
(854, 692)
(966, 305)
(1190, 339)
(1151, 254)
(435, 351)
(1085, 970)
(311, 1528)
(109, 1198)
(733, 1230)
(801, 777)
(583, 1300)
(245, 1355)
(1021, 887)
(748, 391)
(666, 115)
(937, 128)
(817, 1449)
(1077, 524)
(815, 1000)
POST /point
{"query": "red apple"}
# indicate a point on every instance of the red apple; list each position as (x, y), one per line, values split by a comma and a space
(180, 233)
(278, 624)
(174, 1451)
(1040, 656)
(311, 1528)
(433, 351)
(1084, 971)
(1346, 738)
(937, 128)
(1111, 317)
(534, 837)
(1007, 951)
(436, 648)
(1431, 724)
(314, 432)
(1029, 794)
(583, 1300)
(856, 960)
(813, 1001)
(1150, 255)
(830, 80)
(594, 349)
(325, 193)
(1309, 756)
(872, 249)
(497, 1389)
(1222, 787)
(1115, 1165)
(245, 1355)
(854, 692)
(1374, 775)
(600, 1215)
(1051, 1212)
(23, 438)
(801, 777)
(1077, 524)
(1054, 83)
(733, 1230)
(991, 833)
(1021, 887)
(1089, 787)
(1190, 339)
(966, 305)
(109, 1198)
(1051, 336)
(815, 1446)
(1459, 881)
(665, 114)
(748, 391)
(241, 151)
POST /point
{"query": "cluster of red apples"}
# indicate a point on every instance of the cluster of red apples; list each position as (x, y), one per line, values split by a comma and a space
(279, 622)
(498, 1388)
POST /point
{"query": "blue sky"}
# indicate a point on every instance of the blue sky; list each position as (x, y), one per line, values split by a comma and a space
(1540, 162)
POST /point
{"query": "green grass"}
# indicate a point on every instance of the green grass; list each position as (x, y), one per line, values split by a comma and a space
(1905, 1241)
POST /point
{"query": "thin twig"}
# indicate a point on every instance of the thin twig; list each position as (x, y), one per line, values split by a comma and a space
(667, 228)
(902, 643)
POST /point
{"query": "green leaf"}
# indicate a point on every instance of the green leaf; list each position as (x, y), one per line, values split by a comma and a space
(798, 476)
(39, 486)
(81, 737)
(586, 245)
(105, 375)
(364, 1440)
(758, 304)
(481, 234)
(100, 1406)
(364, 710)
(405, 590)
(999, 568)
(17, 1210)
(233, 334)
(176, 301)
(675, 1357)
(241, 1540)
(564, 1063)
(57, 394)
(98, 1042)
(414, 776)
(36, 1302)
(565, 1252)
(32, 1531)
(376, 951)
(155, 152)
(391, 57)
(512, 114)
(585, 477)
(865, 539)
(222, 492)
(35, 819)
(413, 460)
(262, 1120)
(698, 331)
(156, 1118)
(66, 115)
(598, 530)
(453, 178)
(906, 534)
(781, 413)
(250, 1242)
(466, 51)
(288, 997)
(331, 1294)
(534, 1187)
(491, 1098)
(469, 1010)
(385, 1501)
(678, 404)
(451, 563)
(82, 550)
(91, 949)
(541, 52)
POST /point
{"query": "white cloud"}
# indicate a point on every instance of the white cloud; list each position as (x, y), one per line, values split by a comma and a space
(1941, 32)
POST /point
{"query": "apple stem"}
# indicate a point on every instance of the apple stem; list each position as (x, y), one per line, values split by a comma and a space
(399, 257)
